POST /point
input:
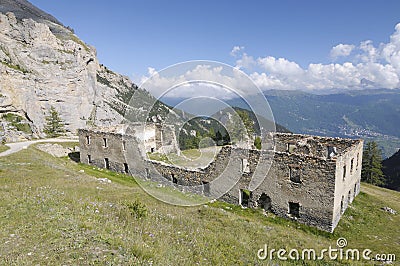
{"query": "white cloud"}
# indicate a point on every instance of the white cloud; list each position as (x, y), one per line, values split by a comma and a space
(342, 50)
(236, 49)
(374, 66)
(279, 66)
(391, 51)
(245, 62)
(368, 52)
(197, 80)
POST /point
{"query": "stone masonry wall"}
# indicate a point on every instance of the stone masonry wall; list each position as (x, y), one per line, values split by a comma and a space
(347, 179)
(310, 145)
(306, 186)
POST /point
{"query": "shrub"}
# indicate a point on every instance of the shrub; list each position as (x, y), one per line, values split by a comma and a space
(257, 143)
(18, 122)
(137, 209)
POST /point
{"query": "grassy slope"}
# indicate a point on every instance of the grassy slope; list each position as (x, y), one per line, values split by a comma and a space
(3, 148)
(50, 212)
(193, 158)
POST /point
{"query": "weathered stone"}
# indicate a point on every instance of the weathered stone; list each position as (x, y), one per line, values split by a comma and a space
(389, 210)
(323, 186)
(54, 149)
(40, 69)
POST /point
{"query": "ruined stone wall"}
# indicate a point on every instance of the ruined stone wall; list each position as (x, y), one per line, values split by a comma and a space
(94, 151)
(347, 179)
(146, 135)
(310, 184)
(155, 137)
(195, 177)
(314, 193)
(310, 145)
(168, 142)
(120, 150)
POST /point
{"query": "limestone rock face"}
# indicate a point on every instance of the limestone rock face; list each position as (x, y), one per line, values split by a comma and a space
(42, 66)
(23, 9)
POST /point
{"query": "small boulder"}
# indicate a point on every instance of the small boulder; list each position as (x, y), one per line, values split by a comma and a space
(389, 210)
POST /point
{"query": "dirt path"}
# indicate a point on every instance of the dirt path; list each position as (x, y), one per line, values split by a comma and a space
(18, 146)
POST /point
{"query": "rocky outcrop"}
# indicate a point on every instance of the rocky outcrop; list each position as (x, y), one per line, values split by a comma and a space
(23, 9)
(42, 67)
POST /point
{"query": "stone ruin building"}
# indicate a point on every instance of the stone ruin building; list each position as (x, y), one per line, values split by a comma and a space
(311, 179)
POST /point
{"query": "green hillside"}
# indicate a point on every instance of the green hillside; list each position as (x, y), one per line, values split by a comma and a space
(54, 211)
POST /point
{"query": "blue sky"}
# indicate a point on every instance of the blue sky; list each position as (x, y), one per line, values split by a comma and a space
(277, 39)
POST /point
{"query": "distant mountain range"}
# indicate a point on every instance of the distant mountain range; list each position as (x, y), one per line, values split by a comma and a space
(353, 113)
(224, 115)
(367, 114)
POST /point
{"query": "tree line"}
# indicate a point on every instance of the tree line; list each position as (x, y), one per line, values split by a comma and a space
(372, 169)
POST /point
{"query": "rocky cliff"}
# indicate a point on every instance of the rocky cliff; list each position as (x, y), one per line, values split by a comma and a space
(44, 64)
(23, 9)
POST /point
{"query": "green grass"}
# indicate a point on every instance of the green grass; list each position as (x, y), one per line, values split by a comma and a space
(15, 67)
(192, 153)
(66, 51)
(54, 211)
(74, 38)
(159, 157)
(45, 62)
(192, 158)
(67, 144)
(18, 122)
(3, 148)
(103, 80)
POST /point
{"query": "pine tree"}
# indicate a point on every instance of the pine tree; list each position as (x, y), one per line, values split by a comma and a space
(54, 125)
(257, 142)
(372, 165)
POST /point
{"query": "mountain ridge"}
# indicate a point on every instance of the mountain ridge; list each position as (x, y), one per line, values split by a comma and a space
(23, 9)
